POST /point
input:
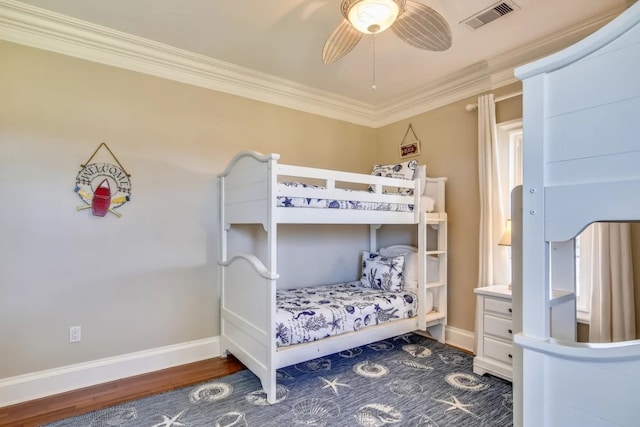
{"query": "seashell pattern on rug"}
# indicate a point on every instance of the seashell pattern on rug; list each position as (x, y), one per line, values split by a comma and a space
(407, 381)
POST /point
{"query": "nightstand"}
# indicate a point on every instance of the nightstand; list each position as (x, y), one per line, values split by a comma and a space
(494, 332)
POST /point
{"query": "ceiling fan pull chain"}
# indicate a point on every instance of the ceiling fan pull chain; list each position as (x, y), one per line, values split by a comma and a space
(373, 38)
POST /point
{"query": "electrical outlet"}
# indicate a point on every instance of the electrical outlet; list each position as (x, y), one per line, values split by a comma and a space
(75, 334)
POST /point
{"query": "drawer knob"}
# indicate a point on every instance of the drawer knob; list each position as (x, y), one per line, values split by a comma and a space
(510, 331)
(510, 356)
(510, 310)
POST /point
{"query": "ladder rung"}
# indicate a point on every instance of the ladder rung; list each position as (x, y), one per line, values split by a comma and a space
(435, 252)
(431, 285)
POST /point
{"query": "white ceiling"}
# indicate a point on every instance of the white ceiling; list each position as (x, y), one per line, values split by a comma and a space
(284, 39)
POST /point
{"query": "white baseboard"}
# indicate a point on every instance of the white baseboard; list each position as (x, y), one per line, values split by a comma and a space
(35, 385)
(460, 338)
(58, 380)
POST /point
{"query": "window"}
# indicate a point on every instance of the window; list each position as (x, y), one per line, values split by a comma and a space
(510, 146)
(510, 161)
(510, 149)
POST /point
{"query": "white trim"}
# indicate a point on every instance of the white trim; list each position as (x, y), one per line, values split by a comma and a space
(488, 75)
(39, 28)
(59, 380)
(43, 29)
(460, 338)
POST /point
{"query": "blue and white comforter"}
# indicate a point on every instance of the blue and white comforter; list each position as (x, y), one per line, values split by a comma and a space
(305, 202)
(310, 314)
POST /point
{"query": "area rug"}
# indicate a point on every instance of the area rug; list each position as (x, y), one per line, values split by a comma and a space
(408, 381)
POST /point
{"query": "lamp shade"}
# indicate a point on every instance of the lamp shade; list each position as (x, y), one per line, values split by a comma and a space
(506, 237)
(372, 16)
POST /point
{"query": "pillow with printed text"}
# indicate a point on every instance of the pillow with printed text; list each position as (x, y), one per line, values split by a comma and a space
(404, 170)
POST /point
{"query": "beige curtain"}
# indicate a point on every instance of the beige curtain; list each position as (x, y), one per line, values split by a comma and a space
(494, 259)
(611, 275)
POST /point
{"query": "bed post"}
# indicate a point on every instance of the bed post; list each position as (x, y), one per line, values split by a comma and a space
(272, 265)
(373, 237)
(422, 272)
(223, 258)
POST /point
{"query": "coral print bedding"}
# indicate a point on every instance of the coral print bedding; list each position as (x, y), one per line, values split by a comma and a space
(310, 314)
(307, 202)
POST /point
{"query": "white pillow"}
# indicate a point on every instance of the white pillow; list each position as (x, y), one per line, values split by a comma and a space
(411, 266)
(410, 254)
(427, 204)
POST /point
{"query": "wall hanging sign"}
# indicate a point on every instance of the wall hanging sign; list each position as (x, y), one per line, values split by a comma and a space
(103, 186)
(412, 147)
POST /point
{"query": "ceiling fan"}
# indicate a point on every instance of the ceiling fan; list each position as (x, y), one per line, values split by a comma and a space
(415, 23)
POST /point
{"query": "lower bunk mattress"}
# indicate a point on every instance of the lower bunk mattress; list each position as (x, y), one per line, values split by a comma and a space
(313, 313)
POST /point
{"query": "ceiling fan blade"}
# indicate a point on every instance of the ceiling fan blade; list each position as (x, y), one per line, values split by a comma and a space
(423, 27)
(340, 42)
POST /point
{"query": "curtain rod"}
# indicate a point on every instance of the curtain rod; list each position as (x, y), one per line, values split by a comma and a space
(471, 107)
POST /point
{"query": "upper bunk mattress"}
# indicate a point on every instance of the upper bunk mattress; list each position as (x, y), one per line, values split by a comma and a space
(428, 204)
(313, 313)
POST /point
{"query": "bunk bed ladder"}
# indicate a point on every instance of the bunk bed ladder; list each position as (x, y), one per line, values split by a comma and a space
(436, 319)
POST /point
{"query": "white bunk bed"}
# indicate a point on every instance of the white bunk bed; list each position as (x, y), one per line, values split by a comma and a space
(250, 188)
(581, 164)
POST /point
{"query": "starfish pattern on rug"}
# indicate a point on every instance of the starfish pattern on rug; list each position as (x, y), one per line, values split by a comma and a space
(456, 404)
(333, 384)
(168, 422)
(367, 386)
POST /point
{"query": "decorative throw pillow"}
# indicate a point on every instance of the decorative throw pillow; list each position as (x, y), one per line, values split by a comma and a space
(380, 272)
(404, 170)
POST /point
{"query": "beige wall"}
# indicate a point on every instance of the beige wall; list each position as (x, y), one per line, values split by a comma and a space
(148, 279)
(449, 138)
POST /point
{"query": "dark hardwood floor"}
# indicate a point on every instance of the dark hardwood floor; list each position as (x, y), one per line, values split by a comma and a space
(76, 402)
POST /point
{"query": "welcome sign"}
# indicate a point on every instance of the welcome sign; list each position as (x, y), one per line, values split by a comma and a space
(103, 187)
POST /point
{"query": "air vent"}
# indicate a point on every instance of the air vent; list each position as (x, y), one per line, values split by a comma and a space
(490, 14)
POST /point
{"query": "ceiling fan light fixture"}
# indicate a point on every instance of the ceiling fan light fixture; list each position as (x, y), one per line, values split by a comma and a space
(413, 22)
(371, 16)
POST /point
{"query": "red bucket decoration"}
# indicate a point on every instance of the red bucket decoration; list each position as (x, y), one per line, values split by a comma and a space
(101, 199)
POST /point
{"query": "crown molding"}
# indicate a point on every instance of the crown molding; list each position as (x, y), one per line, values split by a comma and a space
(32, 26)
(28, 25)
(487, 75)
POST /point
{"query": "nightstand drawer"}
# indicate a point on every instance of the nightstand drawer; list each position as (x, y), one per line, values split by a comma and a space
(498, 326)
(498, 350)
(498, 306)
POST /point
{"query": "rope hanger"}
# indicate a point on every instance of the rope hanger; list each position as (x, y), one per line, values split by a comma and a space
(112, 155)
(410, 128)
